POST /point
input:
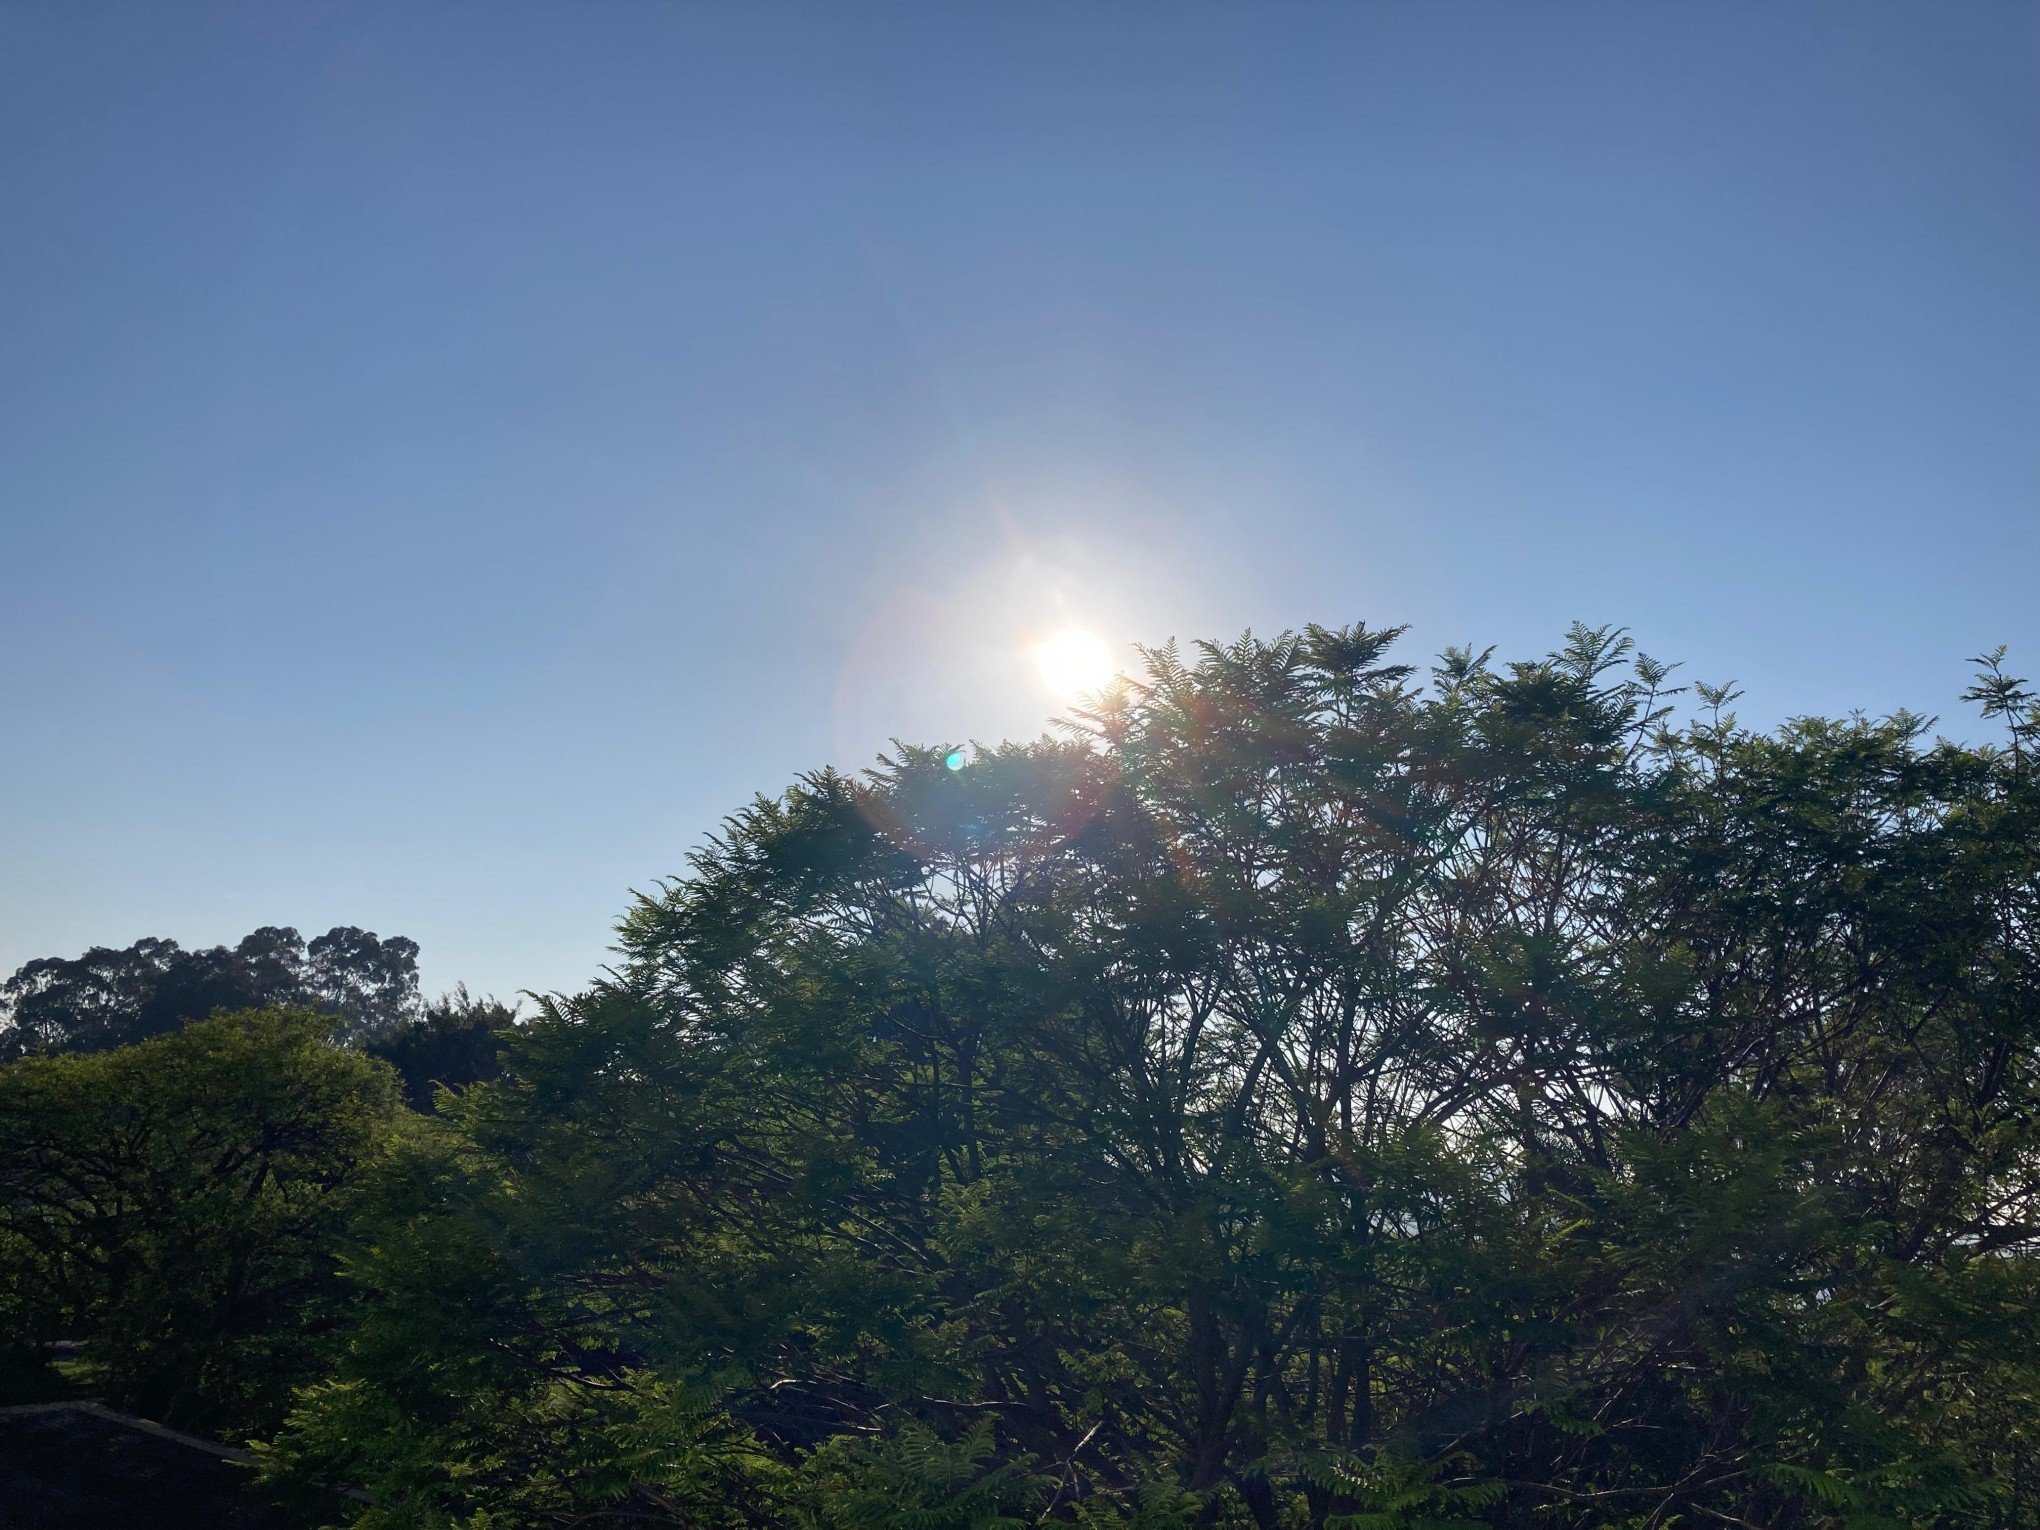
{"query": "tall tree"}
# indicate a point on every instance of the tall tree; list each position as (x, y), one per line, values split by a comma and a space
(90, 1003)
(372, 983)
(1301, 1096)
(109, 998)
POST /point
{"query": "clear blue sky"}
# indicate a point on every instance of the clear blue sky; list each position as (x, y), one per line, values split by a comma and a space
(451, 454)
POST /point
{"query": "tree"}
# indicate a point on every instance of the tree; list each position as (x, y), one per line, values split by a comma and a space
(89, 1004)
(1299, 1096)
(177, 1205)
(109, 998)
(371, 983)
(455, 1042)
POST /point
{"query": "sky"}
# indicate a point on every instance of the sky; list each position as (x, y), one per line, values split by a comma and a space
(451, 455)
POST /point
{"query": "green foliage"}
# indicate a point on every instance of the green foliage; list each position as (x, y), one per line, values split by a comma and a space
(919, 1481)
(1298, 1096)
(643, 1451)
(1393, 1491)
(174, 1205)
(457, 1040)
(108, 998)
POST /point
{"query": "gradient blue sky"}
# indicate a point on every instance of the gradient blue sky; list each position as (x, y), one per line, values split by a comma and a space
(451, 454)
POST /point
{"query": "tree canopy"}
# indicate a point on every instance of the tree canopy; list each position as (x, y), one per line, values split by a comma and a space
(108, 998)
(1307, 1093)
(454, 1041)
(176, 1205)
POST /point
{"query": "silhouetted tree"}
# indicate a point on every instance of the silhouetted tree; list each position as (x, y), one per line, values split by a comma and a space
(457, 1041)
(87, 1004)
(108, 998)
(371, 983)
(1302, 1097)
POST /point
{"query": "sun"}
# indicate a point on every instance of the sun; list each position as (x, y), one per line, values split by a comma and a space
(1073, 662)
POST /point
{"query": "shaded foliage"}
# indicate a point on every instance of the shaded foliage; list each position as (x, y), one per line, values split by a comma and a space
(109, 998)
(457, 1040)
(1299, 1096)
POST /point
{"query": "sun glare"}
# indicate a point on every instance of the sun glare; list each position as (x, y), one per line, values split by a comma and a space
(1073, 662)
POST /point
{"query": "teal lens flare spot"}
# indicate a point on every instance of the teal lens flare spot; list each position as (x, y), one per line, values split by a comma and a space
(953, 759)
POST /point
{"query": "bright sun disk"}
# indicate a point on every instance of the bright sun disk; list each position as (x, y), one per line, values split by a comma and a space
(1073, 662)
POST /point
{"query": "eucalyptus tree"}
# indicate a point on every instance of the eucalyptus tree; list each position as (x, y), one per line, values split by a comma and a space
(108, 998)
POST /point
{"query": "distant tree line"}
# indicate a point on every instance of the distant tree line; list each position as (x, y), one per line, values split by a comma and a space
(364, 988)
(110, 998)
(1309, 1094)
